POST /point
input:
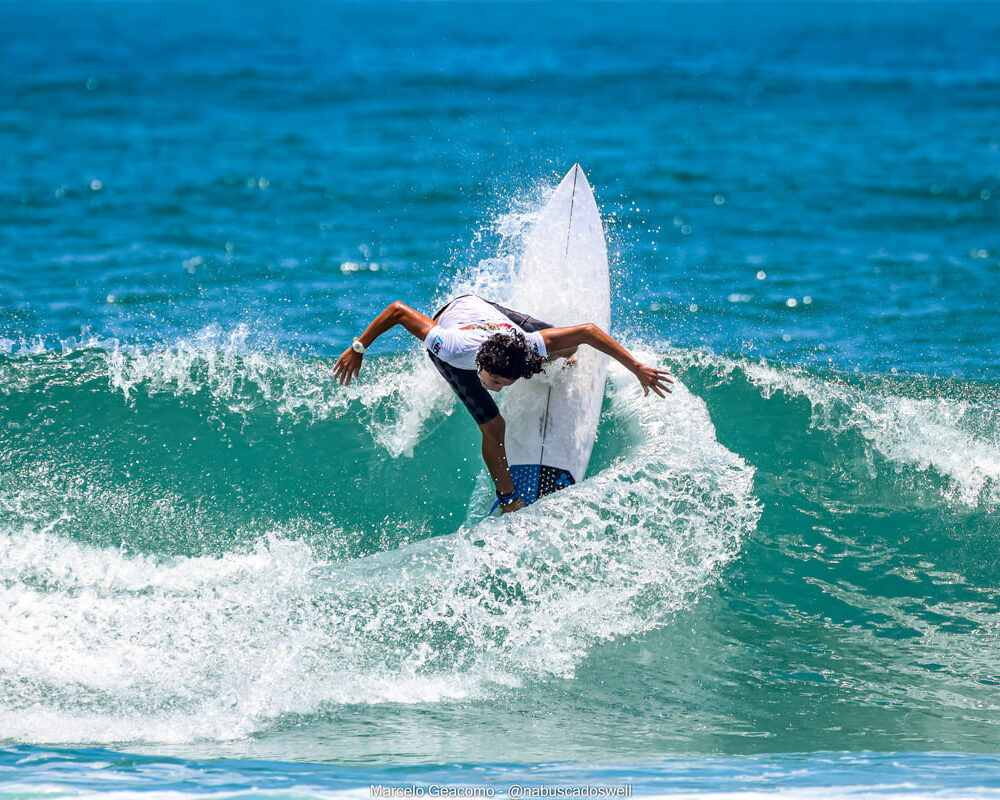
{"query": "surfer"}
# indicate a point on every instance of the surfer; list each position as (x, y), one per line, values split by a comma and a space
(478, 345)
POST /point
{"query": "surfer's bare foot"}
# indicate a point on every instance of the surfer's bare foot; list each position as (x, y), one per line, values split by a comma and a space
(515, 506)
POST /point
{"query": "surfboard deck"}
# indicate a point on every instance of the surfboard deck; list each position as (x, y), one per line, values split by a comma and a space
(562, 279)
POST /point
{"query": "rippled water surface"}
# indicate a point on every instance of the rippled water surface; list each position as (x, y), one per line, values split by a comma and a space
(210, 549)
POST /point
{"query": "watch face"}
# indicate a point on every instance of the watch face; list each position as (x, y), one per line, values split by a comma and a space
(358, 347)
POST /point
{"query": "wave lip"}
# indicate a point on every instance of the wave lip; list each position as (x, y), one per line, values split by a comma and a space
(944, 430)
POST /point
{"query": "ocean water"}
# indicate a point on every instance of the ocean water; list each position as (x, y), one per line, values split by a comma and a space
(221, 573)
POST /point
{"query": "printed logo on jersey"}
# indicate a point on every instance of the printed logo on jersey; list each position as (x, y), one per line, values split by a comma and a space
(487, 326)
(436, 347)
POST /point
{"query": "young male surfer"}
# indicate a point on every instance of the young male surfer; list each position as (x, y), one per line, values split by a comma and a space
(477, 346)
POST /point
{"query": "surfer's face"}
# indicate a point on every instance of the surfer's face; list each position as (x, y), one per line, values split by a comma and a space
(493, 382)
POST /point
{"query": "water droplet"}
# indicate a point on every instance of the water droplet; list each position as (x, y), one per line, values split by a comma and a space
(96, 185)
(92, 84)
(761, 275)
(685, 230)
(807, 300)
(693, 307)
(791, 302)
(720, 199)
(786, 337)
(985, 194)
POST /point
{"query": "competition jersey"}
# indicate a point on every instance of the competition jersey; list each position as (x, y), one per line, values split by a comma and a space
(465, 324)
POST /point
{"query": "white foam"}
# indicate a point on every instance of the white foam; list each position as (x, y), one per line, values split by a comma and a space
(103, 646)
(106, 646)
(956, 439)
(396, 395)
(416, 393)
(938, 433)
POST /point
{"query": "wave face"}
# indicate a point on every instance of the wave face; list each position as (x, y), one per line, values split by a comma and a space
(199, 542)
(209, 543)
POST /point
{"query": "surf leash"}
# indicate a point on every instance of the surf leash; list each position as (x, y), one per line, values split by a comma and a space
(504, 499)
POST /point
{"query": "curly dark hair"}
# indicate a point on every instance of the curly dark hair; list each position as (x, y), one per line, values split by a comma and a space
(508, 356)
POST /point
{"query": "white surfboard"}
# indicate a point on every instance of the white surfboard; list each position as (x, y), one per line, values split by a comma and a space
(563, 279)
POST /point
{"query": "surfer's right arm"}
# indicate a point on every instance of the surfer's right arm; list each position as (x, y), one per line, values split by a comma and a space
(495, 458)
(349, 364)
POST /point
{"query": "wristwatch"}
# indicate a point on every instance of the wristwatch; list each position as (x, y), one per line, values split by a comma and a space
(357, 347)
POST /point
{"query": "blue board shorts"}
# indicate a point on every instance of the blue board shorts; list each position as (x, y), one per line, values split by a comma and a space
(465, 382)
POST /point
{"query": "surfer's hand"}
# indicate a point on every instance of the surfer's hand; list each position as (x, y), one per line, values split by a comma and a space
(515, 506)
(348, 366)
(652, 378)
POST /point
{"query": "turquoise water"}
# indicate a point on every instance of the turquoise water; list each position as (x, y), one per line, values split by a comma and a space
(219, 562)
(903, 775)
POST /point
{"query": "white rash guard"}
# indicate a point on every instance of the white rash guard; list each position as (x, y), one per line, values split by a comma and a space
(465, 324)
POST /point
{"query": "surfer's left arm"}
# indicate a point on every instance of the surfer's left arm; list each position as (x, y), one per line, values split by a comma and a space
(560, 340)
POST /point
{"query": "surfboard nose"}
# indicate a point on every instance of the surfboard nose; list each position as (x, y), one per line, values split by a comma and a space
(577, 175)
